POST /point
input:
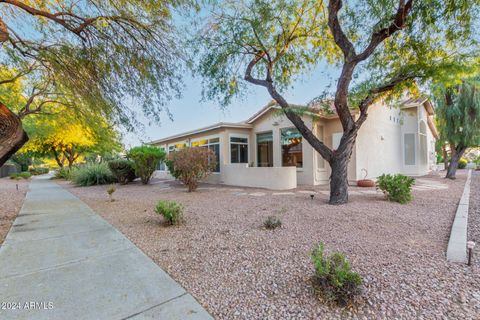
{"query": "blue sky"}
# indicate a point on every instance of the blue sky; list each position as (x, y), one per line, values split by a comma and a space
(190, 113)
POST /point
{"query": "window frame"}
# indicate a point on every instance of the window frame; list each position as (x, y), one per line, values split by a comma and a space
(281, 145)
(241, 136)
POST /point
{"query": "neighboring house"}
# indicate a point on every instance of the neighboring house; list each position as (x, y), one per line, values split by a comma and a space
(268, 151)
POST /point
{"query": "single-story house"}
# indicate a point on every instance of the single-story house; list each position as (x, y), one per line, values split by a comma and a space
(268, 151)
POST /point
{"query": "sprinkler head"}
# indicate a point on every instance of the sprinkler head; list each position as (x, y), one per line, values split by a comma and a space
(312, 196)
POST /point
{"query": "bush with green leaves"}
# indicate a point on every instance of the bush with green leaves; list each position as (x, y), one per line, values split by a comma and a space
(397, 187)
(64, 173)
(190, 165)
(15, 175)
(171, 211)
(146, 159)
(123, 169)
(462, 163)
(334, 276)
(38, 170)
(25, 175)
(92, 174)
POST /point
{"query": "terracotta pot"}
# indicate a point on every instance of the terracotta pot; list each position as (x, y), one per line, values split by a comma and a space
(366, 183)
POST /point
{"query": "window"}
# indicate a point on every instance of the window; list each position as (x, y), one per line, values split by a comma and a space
(320, 160)
(212, 144)
(291, 142)
(161, 164)
(265, 149)
(423, 142)
(409, 145)
(238, 150)
(336, 138)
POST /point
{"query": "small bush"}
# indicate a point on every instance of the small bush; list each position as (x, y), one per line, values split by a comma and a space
(123, 169)
(38, 171)
(190, 165)
(92, 174)
(396, 187)
(272, 223)
(25, 175)
(171, 211)
(63, 173)
(110, 192)
(15, 176)
(334, 276)
(462, 163)
(146, 159)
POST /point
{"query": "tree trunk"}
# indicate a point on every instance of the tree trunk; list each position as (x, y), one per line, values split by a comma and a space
(457, 154)
(12, 135)
(339, 180)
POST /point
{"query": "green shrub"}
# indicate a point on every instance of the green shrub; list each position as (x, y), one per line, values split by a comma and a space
(25, 175)
(462, 163)
(334, 276)
(171, 211)
(272, 223)
(190, 165)
(38, 170)
(123, 169)
(15, 175)
(396, 187)
(63, 173)
(146, 159)
(92, 174)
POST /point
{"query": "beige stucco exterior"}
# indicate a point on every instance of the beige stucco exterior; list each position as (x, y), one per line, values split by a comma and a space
(380, 146)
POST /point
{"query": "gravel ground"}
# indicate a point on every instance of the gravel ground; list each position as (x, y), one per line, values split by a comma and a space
(239, 270)
(474, 216)
(11, 201)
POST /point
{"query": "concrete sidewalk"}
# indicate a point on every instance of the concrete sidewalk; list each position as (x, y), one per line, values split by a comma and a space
(60, 260)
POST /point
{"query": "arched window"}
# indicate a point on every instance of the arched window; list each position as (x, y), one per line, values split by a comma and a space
(422, 132)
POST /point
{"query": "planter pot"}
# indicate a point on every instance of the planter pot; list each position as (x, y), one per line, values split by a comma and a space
(366, 183)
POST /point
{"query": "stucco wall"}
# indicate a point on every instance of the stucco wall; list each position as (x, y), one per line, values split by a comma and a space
(276, 178)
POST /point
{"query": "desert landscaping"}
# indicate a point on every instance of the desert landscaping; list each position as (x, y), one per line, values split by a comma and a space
(238, 269)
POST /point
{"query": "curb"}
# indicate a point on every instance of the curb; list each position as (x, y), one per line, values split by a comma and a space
(457, 244)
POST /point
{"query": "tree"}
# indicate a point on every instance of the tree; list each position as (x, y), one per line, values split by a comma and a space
(458, 117)
(381, 49)
(109, 55)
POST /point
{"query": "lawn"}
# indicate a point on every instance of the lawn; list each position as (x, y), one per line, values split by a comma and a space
(237, 269)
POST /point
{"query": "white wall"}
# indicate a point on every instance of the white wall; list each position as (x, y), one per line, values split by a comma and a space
(275, 178)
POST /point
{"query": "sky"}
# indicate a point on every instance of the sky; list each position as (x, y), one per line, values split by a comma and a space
(190, 113)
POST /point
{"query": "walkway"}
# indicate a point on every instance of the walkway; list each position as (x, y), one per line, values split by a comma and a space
(60, 260)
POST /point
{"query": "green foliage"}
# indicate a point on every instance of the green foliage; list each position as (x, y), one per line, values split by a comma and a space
(190, 165)
(22, 160)
(146, 159)
(335, 277)
(462, 163)
(63, 173)
(92, 174)
(39, 170)
(272, 223)
(458, 112)
(123, 169)
(396, 187)
(17, 176)
(14, 175)
(171, 211)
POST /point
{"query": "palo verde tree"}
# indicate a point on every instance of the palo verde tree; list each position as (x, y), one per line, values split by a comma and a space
(381, 47)
(109, 55)
(458, 118)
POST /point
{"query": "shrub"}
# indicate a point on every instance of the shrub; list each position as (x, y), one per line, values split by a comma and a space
(63, 173)
(171, 211)
(110, 192)
(396, 187)
(15, 175)
(146, 159)
(190, 165)
(38, 170)
(123, 169)
(272, 223)
(25, 175)
(92, 174)
(462, 163)
(334, 276)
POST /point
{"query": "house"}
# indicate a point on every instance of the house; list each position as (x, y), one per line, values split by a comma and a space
(268, 151)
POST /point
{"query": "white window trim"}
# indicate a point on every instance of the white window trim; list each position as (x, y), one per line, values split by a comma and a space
(238, 135)
(280, 146)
